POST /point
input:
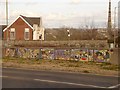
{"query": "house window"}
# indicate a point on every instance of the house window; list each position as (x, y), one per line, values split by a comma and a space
(26, 34)
(40, 37)
(12, 34)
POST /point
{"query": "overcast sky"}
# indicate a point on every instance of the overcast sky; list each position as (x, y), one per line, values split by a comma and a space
(59, 13)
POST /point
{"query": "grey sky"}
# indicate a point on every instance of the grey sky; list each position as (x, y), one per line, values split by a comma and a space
(59, 13)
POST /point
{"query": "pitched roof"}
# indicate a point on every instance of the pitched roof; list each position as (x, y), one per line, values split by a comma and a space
(32, 20)
(29, 20)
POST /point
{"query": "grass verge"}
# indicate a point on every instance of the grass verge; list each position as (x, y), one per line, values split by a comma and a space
(62, 65)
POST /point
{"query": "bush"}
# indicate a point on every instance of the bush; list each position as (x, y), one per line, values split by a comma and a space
(86, 71)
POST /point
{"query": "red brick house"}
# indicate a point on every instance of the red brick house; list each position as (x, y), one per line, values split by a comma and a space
(23, 28)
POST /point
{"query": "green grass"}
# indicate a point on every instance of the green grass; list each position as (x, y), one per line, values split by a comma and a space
(111, 67)
(63, 63)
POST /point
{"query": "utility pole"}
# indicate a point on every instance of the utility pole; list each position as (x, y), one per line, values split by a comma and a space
(6, 12)
(7, 19)
(114, 26)
(109, 27)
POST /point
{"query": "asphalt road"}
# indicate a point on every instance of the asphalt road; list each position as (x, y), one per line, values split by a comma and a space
(21, 78)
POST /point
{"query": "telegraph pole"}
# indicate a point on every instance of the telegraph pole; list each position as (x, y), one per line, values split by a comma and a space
(114, 25)
(7, 18)
(6, 12)
(109, 27)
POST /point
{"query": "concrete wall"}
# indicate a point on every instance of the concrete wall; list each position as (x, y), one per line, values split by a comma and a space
(81, 43)
(115, 59)
(59, 54)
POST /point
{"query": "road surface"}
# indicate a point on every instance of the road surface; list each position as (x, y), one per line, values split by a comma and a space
(21, 78)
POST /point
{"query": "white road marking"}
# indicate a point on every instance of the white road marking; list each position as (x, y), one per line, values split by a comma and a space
(115, 86)
(3, 76)
(60, 82)
(68, 83)
(17, 78)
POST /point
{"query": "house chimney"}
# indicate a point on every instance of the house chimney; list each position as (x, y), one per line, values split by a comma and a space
(35, 26)
(40, 21)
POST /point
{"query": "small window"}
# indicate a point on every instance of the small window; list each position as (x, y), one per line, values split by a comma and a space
(26, 34)
(12, 34)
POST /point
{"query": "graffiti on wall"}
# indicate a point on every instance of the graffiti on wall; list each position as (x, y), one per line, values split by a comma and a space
(34, 53)
(90, 55)
(22, 52)
(81, 54)
(10, 52)
(61, 54)
(101, 55)
(84, 55)
(47, 53)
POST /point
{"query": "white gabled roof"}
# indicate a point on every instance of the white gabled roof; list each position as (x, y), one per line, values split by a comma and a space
(15, 20)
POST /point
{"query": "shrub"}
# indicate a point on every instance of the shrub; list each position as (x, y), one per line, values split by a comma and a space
(86, 71)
